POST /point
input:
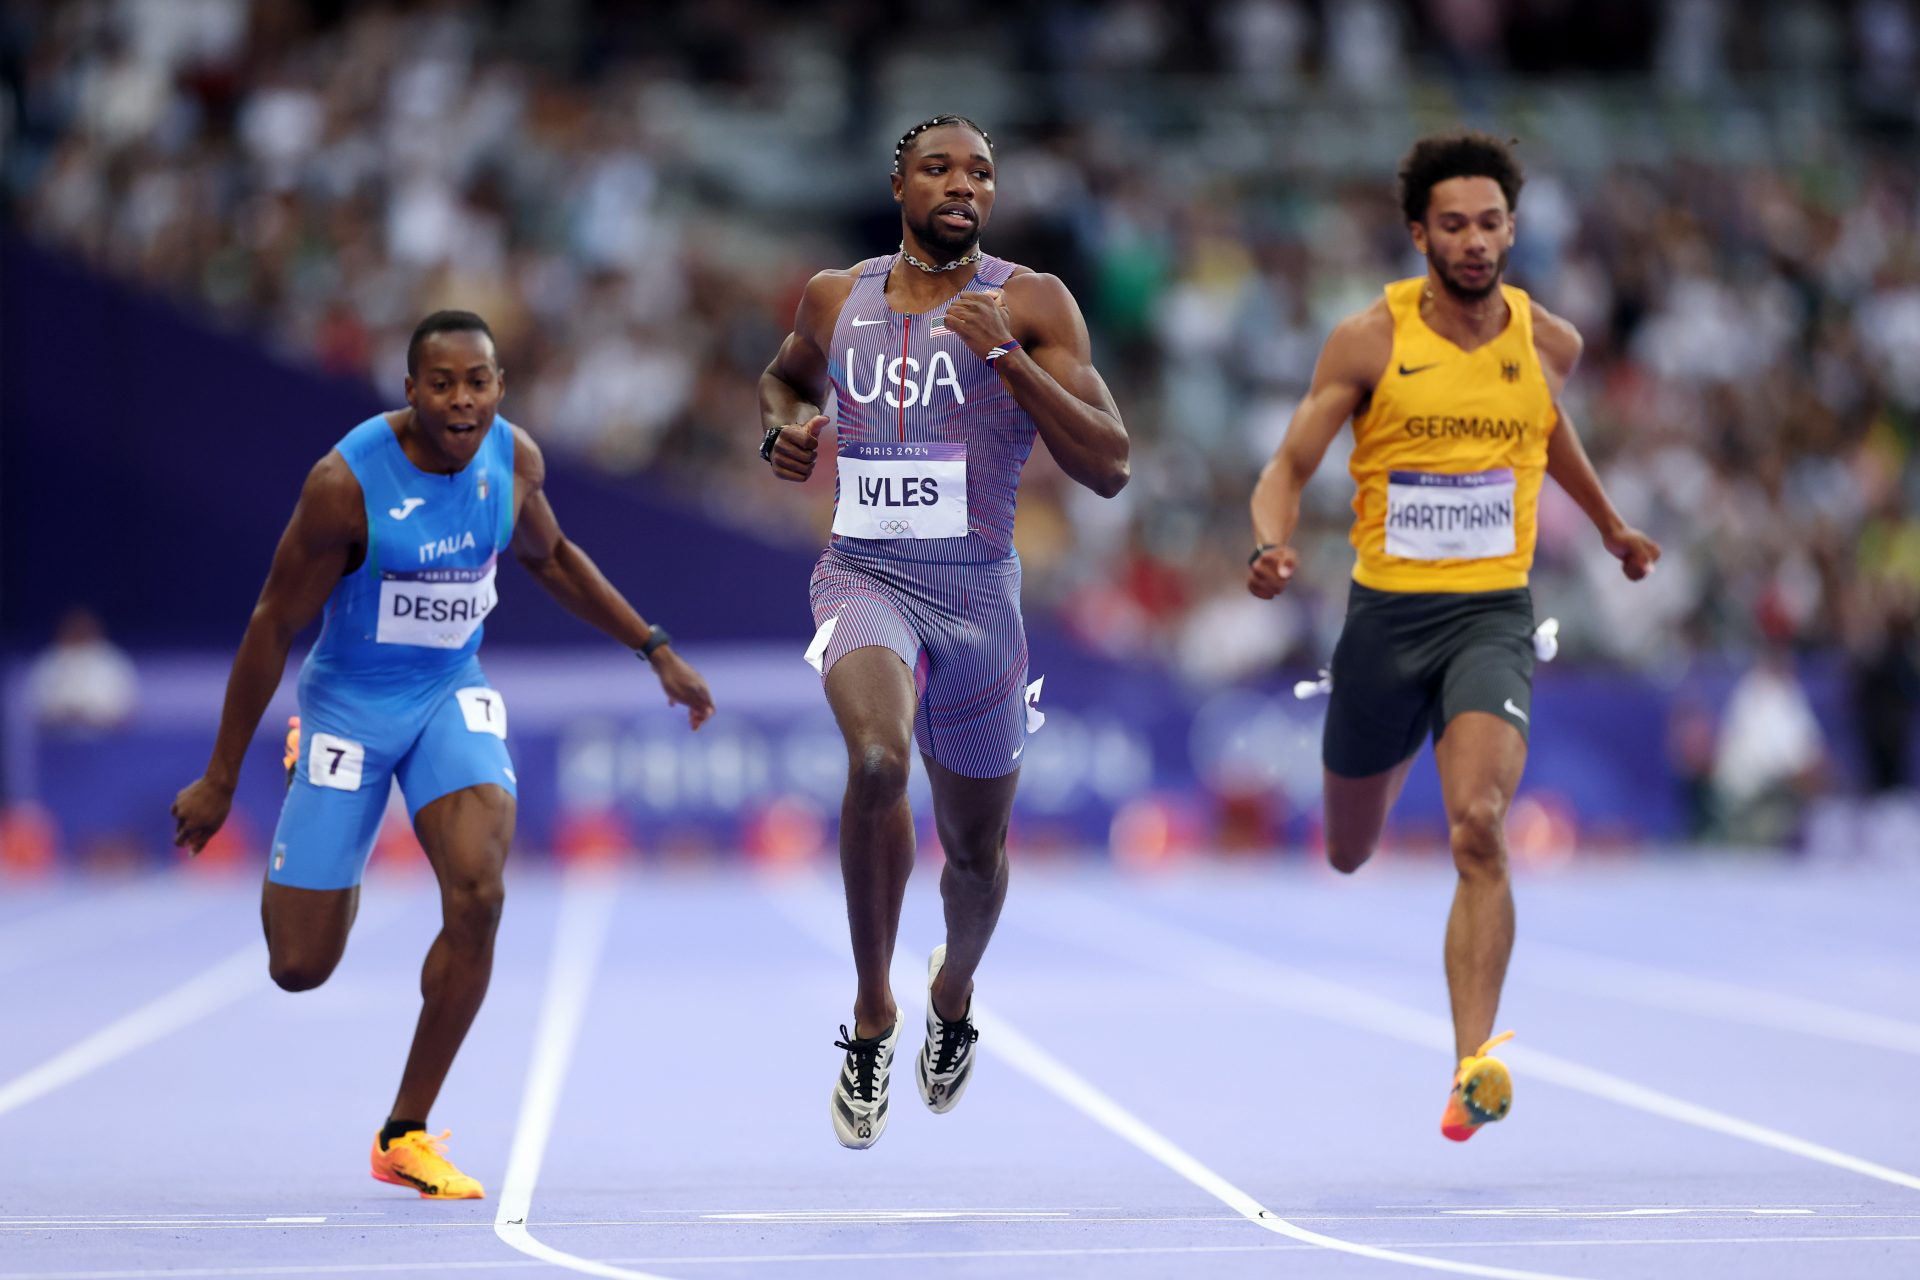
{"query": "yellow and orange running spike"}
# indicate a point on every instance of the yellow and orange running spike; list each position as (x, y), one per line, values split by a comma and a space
(1482, 1092)
(419, 1160)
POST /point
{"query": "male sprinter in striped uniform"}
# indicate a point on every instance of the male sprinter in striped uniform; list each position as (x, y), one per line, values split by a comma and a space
(1453, 382)
(396, 533)
(943, 362)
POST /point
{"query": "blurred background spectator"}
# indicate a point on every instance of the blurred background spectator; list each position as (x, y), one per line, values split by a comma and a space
(82, 681)
(1725, 199)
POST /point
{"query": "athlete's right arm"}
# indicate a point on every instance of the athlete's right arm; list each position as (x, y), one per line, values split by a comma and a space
(1350, 365)
(308, 563)
(794, 385)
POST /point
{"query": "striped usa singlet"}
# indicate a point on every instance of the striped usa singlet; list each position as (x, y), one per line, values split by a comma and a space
(949, 606)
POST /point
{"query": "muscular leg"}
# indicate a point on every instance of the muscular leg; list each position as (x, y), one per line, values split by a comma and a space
(971, 815)
(306, 932)
(872, 696)
(466, 835)
(1356, 810)
(1481, 758)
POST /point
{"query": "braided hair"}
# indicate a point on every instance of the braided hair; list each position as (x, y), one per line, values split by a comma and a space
(935, 122)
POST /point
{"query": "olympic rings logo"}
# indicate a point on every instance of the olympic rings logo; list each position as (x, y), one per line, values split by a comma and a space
(896, 526)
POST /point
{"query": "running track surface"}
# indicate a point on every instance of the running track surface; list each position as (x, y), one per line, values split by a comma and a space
(1223, 1071)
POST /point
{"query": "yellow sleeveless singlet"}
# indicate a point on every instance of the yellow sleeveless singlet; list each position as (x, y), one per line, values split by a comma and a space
(1449, 455)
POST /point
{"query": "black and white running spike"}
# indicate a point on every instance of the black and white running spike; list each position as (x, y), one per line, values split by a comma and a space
(946, 1059)
(860, 1093)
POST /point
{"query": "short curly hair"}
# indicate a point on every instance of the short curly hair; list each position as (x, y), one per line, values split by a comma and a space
(1466, 154)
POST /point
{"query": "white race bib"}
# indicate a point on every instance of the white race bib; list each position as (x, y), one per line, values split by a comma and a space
(1431, 516)
(483, 710)
(434, 608)
(902, 491)
(335, 762)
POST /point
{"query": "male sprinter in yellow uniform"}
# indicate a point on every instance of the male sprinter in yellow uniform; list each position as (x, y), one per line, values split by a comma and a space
(1453, 382)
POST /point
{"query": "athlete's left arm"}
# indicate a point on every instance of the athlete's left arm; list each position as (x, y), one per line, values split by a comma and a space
(1559, 345)
(571, 577)
(1050, 374)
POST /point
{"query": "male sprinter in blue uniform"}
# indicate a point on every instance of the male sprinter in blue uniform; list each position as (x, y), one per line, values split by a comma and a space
(396, 533)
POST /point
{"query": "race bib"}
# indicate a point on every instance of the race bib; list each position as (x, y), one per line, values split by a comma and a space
(335, 762)
(483, 710)
(1450, 517)
(434, 608)
(902, 491)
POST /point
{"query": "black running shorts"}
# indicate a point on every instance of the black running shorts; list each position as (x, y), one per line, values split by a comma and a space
(1409, 662)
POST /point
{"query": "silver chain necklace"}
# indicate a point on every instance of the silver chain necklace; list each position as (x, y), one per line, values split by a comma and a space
(912, 261)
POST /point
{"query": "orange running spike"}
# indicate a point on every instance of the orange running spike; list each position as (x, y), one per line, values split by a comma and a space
(418, 1160)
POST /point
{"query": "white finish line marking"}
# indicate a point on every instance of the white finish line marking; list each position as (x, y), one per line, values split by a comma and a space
(891, 1215)
(918, 1255)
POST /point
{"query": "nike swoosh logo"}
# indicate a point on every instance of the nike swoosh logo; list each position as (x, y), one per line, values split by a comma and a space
(1017, 750)
(858, 322)
(406, 507)
(1515, 711)
(1419, 368)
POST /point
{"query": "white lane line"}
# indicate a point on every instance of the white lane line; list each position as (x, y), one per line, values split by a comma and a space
(892, 1215)
(580, 932)
(1570, 969)
(61, 930)
(241, 973)
(1141, 938)
(40, 1228)
(1055, 1076)
(1074, 1089)
(1694, 1208)
(927, 1255)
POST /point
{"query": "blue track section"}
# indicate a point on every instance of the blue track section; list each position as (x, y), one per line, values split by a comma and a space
(1714, 1078)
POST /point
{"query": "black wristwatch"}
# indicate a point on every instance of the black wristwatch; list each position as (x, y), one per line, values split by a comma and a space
(766, 444)
(657, 638)
(1261, 550)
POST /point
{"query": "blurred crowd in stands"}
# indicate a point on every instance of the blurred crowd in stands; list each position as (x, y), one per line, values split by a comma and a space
(1724, 197)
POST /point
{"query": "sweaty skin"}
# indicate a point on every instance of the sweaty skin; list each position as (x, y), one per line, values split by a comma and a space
(452, 404)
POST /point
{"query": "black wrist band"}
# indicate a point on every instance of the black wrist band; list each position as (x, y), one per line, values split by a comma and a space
(657, 638)
(1261, 550)
(767, 442)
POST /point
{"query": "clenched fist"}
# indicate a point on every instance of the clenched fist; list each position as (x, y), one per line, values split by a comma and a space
(1271, 571)
(1635, 551)
(798, 448)
(981, 319)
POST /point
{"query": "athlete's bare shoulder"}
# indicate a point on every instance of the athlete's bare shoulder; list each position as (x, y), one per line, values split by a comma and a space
(528, 460)
(1037, 296)
(820, 303)
(331, 513)
(1557, 341)
(529, 463)
(332, 491)
(1358, 349)
(1026, 282)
